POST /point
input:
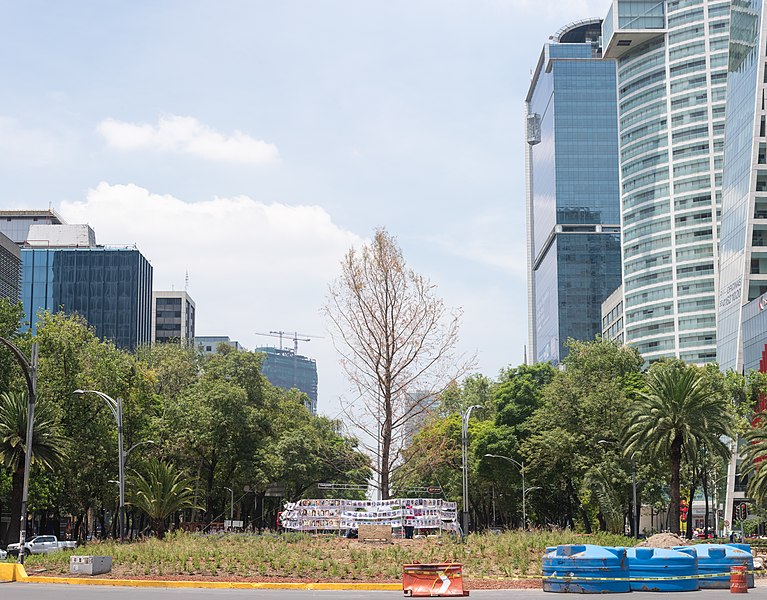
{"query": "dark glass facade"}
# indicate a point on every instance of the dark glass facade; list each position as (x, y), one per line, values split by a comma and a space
(285, 369)
(573, 192)
(110, 287)
(10, 269)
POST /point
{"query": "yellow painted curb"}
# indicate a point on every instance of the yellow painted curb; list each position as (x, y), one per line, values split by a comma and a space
(12, 572)
(231, 585)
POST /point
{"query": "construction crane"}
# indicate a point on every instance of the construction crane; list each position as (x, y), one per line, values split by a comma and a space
(291, 335)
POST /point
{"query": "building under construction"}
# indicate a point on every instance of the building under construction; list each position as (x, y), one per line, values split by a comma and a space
(286, 369)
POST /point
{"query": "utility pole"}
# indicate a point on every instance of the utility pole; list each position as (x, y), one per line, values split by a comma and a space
(465, 466)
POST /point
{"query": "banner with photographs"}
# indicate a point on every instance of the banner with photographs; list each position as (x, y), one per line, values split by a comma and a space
(330, 515)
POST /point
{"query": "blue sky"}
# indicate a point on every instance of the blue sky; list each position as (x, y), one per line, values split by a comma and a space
(251, 143)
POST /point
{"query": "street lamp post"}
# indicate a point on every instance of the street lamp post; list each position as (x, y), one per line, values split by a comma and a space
(116, 408)
(125, 460)
(465, 466)
(521, 467)
(30, 374)
(231, 508)
(635, 516)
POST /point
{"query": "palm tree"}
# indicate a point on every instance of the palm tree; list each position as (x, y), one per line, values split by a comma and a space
(48, 446)
(755, 453)
(675, 417)
(164, 491)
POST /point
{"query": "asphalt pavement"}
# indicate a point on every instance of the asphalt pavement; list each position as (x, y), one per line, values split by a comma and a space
(36, 591)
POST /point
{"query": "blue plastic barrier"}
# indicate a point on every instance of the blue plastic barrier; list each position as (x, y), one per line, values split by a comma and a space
(660, 562)
(590, 567)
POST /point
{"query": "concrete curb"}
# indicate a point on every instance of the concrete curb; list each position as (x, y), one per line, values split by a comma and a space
(12, 572)
(230, 585)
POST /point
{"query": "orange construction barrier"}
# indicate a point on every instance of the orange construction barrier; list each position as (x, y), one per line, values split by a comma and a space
(738, 579)
(442, 579)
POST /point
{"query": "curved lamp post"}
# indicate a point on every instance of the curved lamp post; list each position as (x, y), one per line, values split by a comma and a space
(116, 408)
(635, 516)
(525, 490)
(125, 461)
(30, 374)
(465, 465)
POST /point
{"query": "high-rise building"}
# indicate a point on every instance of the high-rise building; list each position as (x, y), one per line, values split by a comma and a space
(10, 269)
(672, 73)
(15, 224)
(742, 338)
(743, 244)
(286, 369)
(111, 287)
(173, 315)
(573, 216)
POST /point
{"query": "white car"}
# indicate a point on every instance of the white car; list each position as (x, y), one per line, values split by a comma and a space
(41, 544)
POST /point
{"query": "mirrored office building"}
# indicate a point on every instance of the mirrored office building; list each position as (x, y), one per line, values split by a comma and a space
(573, 232)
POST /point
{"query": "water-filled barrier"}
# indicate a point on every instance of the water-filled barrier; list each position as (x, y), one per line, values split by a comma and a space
(716, 559)
(658, 562)
(589, 569)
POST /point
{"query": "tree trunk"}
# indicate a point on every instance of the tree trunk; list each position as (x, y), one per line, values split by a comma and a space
(705, 500)
(386, 440)
(689, 509)
(209, 488)
(17, 491)
(158, 526)
(676, 460)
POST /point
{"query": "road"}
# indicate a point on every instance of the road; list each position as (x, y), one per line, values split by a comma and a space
(34, 591)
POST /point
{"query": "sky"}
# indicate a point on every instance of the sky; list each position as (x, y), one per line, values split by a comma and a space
(250, 144)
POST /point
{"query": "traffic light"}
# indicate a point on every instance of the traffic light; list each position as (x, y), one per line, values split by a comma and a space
(743, 512)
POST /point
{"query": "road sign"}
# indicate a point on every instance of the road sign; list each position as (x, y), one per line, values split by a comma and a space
(275, 490)
(434, 489)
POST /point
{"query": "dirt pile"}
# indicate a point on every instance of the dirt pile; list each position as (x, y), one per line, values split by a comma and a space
(663, 540)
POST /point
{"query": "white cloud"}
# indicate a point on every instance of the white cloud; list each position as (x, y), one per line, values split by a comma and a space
(188, 136)
(253, 267)
(22, 146)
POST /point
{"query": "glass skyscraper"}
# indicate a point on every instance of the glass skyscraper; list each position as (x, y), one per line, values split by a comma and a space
(573, 232)
(743, 245)
(672, 74)
(110, 287)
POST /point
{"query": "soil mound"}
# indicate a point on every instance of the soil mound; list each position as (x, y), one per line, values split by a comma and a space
(663, 540)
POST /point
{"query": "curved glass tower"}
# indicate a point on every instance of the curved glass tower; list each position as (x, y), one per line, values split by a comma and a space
(743, 246)
(672, 73)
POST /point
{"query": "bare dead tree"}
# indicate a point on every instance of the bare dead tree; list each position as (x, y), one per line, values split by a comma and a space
(397, 345)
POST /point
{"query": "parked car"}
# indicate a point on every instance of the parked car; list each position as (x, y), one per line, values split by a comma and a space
(41, 544)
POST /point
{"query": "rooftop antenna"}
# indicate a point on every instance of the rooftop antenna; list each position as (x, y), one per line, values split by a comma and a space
(186, 281)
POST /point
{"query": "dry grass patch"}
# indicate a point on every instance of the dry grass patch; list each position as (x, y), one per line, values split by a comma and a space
(304, 557)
